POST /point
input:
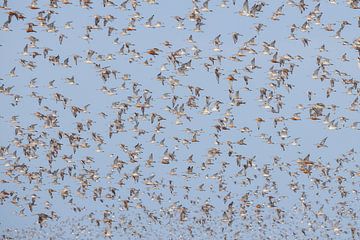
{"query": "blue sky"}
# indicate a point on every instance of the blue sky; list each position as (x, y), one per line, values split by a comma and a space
(299, 208)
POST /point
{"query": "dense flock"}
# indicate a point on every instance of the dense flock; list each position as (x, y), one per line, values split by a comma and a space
(167, 119)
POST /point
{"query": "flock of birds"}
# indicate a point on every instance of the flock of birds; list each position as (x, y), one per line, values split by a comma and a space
(159, 119)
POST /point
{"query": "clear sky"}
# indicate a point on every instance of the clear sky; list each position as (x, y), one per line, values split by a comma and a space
(317, 210)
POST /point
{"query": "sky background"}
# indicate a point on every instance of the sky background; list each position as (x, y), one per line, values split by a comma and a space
(219, 20)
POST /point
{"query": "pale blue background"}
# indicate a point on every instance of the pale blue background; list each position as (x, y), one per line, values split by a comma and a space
(220, 21)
